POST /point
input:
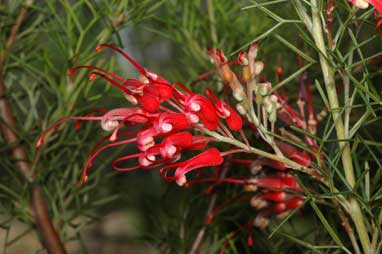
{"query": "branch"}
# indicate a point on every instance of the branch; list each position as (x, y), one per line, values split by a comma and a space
(328, 73)
(44, 224)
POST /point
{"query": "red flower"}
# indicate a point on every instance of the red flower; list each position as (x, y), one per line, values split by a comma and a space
(210, 157)
(292, 153)
(225, 111)
(197, 107)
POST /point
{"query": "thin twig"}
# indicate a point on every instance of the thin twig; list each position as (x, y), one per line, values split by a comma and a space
(8, 125)
(349, 230)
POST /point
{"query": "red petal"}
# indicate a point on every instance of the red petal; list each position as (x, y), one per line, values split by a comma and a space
(181, 139)
(234, 120)
(149, 102)
(210, 157)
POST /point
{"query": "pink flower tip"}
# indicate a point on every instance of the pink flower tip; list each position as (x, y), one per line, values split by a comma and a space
(92, 77)
(99, 48)
(113, 137)
(181, 180)
(72, 71)
(210, 219)
(39, 142)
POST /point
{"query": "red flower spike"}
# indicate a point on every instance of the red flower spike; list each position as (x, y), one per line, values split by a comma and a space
(210, 157)
(232, 118)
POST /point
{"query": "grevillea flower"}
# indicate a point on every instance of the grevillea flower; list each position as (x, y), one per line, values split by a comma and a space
(210, 157)
(162, 117)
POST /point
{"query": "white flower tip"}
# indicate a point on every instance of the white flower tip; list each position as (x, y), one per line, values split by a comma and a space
(181, 180)
(166, 127)
(171, 150)
(195, 107)
(109, 125)
(362, 4)
(193, 118)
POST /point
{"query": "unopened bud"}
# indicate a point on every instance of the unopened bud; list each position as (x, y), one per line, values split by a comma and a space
(258, 67)
(261, 221)
(264, 88)
(258, 203)
(250, 188)
(226, 72)
(240, 108)
(246, 73)
(272, 116)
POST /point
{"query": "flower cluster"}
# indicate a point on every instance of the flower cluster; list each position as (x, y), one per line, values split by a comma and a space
(165, 114)
(167, 121)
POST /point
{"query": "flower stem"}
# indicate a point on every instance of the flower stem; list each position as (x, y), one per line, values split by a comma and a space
(328, 74)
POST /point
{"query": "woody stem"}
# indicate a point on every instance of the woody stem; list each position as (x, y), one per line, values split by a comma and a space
(347, 162)
(41, 216)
